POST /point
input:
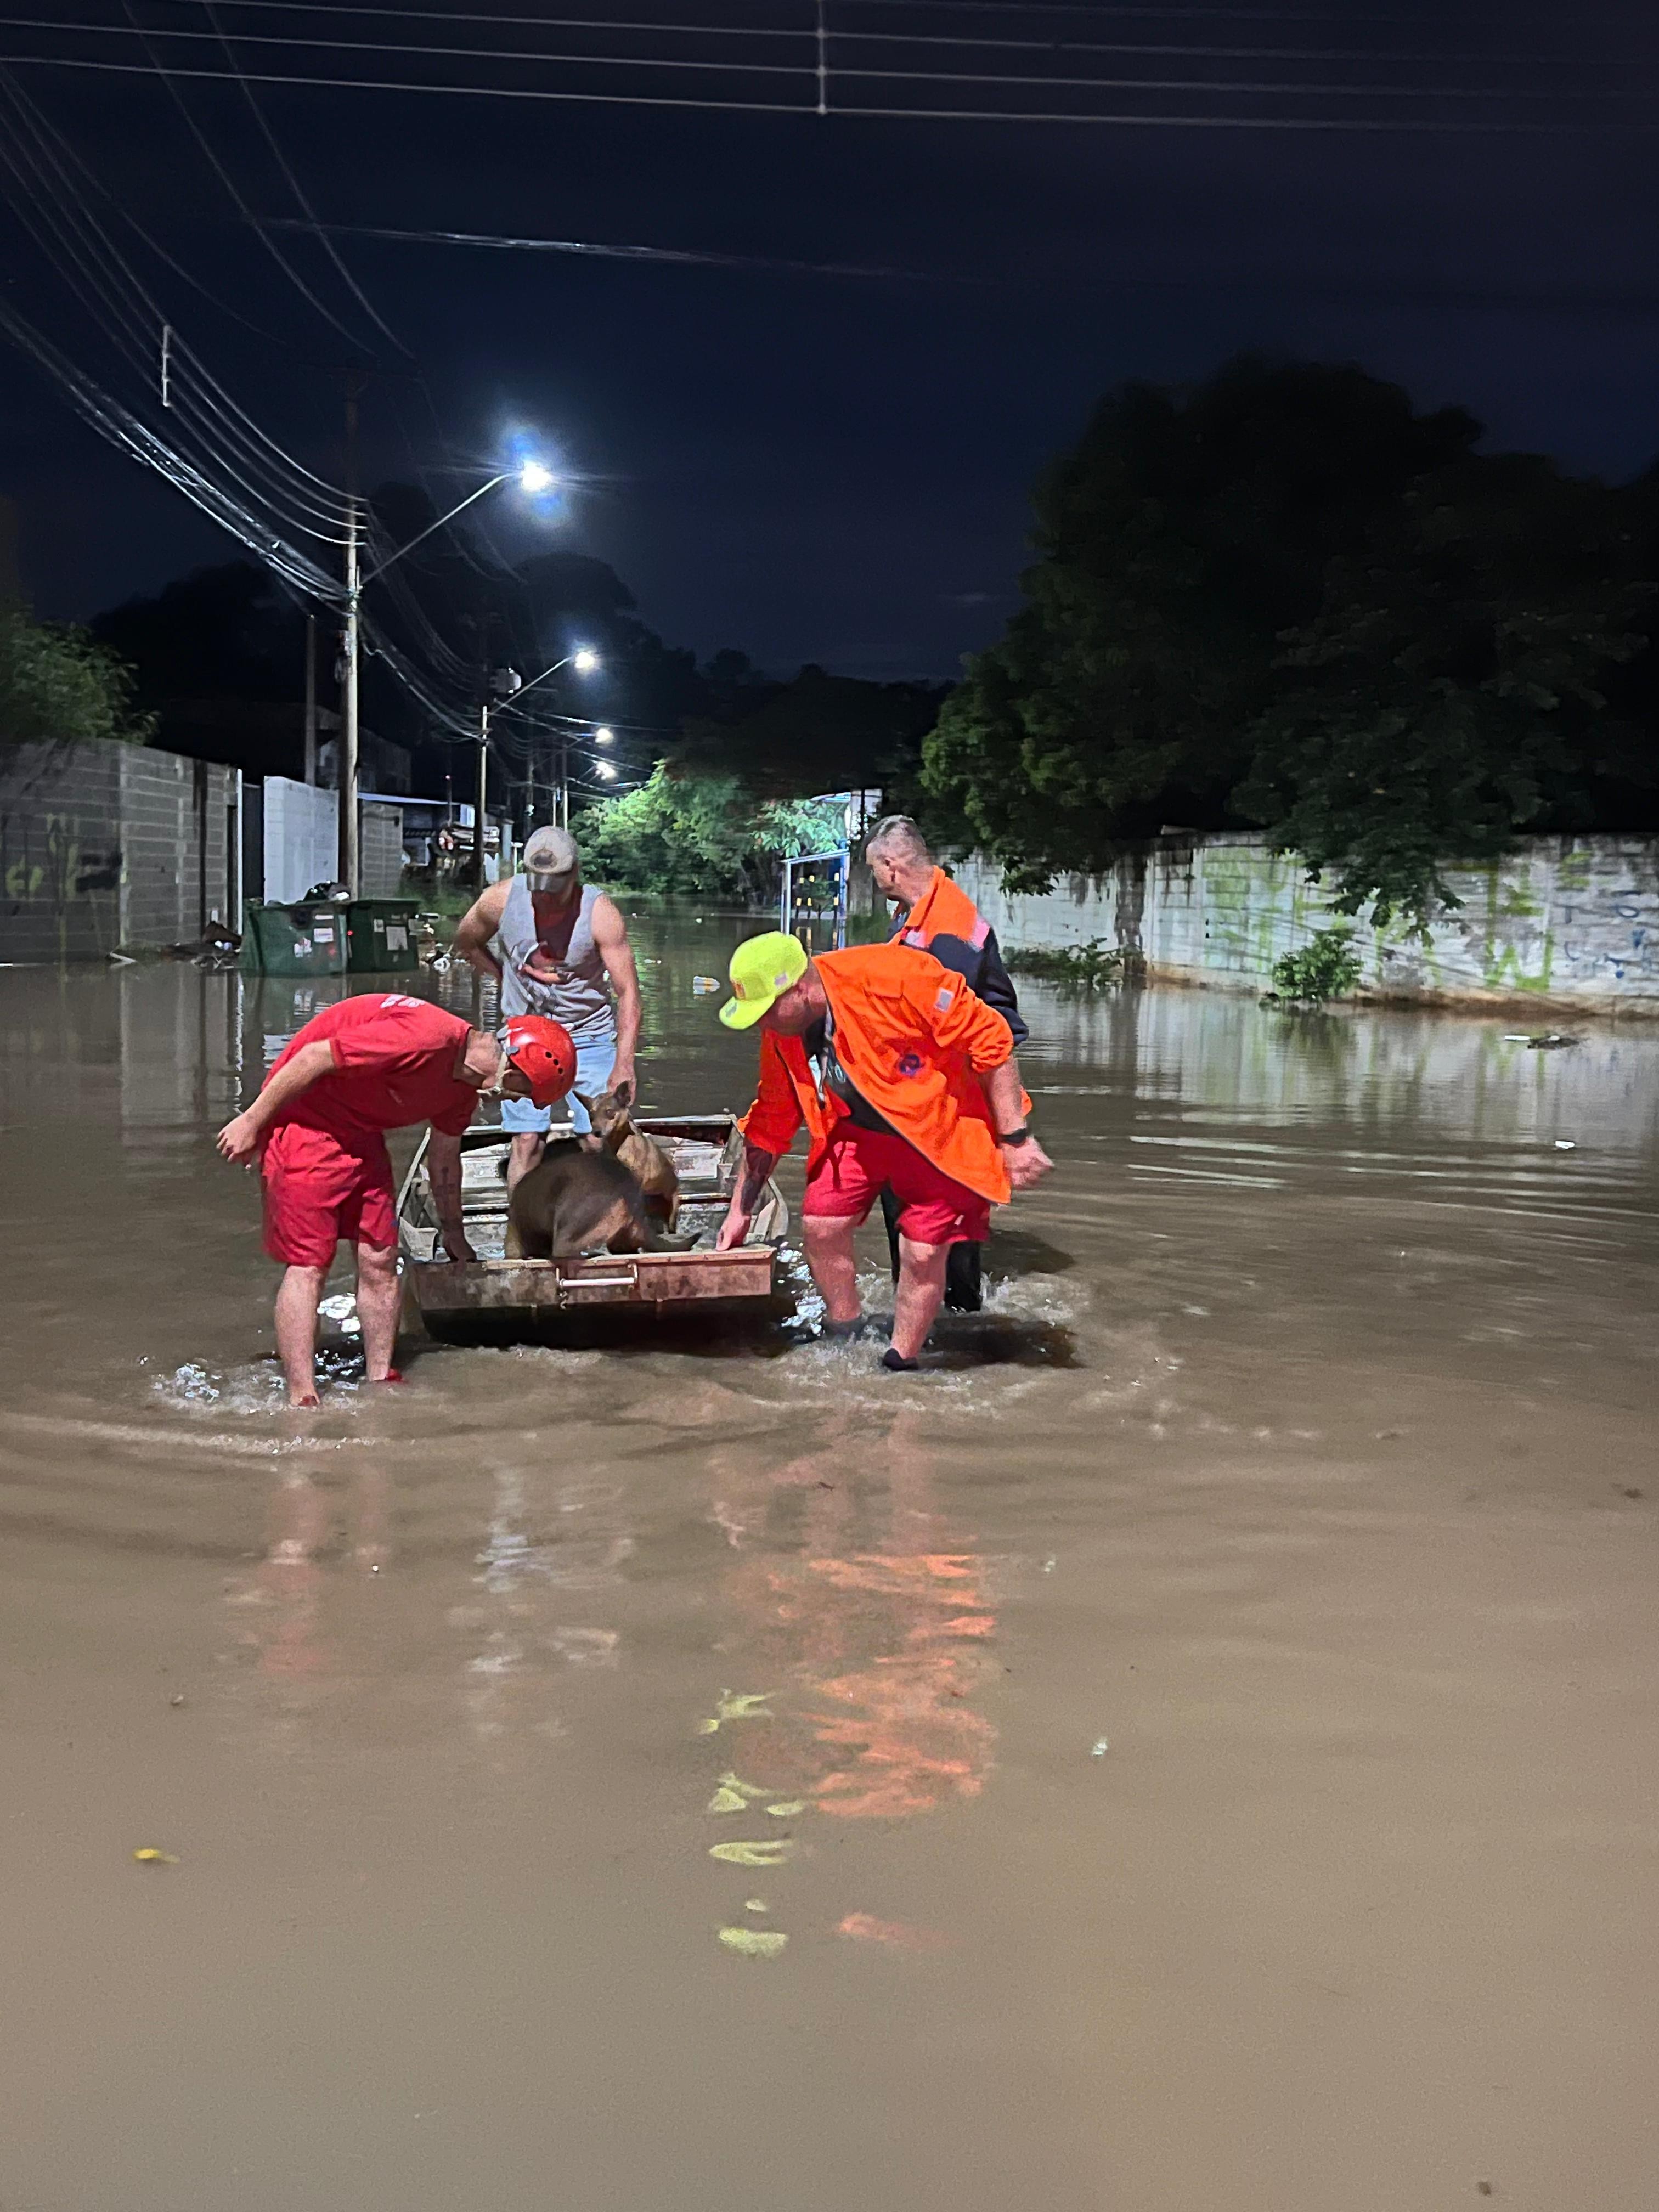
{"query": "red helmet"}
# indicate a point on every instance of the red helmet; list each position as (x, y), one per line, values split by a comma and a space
(542, 1052)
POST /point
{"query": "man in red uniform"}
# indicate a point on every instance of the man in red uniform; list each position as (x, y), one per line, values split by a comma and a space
(317, 1128)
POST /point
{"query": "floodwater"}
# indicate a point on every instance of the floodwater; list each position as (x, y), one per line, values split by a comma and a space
(1197, 1743)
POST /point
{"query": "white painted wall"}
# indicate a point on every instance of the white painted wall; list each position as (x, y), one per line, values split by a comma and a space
(302, 838)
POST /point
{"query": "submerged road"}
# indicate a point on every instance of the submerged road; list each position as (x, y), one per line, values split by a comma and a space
(1195, 1744)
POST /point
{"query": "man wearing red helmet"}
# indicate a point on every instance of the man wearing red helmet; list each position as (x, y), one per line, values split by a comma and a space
(317, 1130)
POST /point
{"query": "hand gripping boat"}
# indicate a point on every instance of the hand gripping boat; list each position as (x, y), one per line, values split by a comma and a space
(493, 1295)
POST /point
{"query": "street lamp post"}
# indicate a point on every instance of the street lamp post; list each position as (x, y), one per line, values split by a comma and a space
(531, 476)
(584, 660)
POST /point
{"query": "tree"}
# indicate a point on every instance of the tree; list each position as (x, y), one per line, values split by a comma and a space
(1454, 686)
(57, 685)
(819, 733)
(1175, 543)
(225, 632)
(702, 836)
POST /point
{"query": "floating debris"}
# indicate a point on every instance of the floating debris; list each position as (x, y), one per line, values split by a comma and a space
(1099, 1748)
(146, 1854)
(738, 1705)
(787, 1807)
(754, 1942)
(766, 1851)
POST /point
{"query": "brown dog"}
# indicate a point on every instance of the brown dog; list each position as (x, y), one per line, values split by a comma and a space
(643, 1155)
(574, 1201)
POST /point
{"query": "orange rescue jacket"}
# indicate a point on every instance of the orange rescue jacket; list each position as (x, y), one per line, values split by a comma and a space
(913, 1039)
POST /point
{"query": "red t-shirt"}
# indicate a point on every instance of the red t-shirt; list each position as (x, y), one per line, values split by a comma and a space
(395, 1062)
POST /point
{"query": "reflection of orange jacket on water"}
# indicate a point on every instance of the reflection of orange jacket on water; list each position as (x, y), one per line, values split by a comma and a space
(913, 1039)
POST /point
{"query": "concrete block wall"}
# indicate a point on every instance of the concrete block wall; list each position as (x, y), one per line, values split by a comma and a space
(1559, 922)
(105, 845)
(60, 851)
(179, 860)
(380, 851)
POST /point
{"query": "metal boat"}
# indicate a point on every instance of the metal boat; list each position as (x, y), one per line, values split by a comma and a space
(494, 1294)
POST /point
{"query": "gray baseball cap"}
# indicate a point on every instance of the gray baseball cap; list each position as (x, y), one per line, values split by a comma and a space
(550, 859)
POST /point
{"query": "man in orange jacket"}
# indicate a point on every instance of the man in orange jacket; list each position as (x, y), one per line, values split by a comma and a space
(903, 1076)
(936, 915)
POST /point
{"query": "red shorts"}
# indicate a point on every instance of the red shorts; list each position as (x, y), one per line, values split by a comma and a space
(932, 1207)
(317, 1192)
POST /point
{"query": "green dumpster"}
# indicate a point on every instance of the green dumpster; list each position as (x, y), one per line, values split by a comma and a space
(294, 940)
(381, 937)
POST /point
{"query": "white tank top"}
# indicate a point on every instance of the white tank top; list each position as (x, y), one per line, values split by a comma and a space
(581, 996)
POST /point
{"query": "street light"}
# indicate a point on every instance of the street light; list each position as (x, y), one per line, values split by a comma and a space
(532, 477)
(605, 737)
(584, 660)
(606, 769)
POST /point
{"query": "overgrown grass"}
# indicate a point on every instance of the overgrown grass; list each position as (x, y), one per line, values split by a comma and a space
(1325, 967)
(1096, 966)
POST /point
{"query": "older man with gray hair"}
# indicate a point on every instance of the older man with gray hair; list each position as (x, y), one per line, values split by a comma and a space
(935, 914)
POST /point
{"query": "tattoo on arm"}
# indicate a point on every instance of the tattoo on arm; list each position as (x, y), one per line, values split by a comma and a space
(756, 1167)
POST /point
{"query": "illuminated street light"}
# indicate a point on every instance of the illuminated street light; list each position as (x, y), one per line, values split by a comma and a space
(605, 737)
(585, 660)
(533, 476)
(605, 768)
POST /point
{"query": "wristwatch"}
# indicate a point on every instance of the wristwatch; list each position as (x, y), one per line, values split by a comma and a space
(1020, 1136)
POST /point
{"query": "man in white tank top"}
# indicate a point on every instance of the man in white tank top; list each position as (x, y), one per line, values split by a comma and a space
(558, 948)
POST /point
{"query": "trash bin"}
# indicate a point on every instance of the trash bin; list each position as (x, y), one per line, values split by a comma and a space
(295, 940)
(381, 937)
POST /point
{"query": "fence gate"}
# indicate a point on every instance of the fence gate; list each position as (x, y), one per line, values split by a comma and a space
(814, 902)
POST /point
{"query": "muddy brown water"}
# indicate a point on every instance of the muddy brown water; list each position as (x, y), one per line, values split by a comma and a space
(1197, 1740)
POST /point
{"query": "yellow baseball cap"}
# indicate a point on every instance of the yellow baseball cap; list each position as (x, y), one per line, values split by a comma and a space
(761, 968)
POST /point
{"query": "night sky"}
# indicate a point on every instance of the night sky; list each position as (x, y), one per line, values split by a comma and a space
(835, 467)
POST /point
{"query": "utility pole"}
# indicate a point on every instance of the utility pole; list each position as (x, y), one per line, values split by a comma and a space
(564, 783)
(311, 695)
(350, 864)
(484, 796)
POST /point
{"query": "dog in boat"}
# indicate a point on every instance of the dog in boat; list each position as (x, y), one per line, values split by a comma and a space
(644, 1160)
(577, 1200)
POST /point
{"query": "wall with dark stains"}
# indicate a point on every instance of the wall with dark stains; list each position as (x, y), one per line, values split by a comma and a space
(1561, 921)
(109, 846)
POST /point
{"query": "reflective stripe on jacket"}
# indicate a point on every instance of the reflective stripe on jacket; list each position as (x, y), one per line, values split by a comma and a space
(913, 1040)
(945, 923)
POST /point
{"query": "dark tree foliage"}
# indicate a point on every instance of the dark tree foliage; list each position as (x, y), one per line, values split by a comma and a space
(59, 685)
(225, 632)
(1176, 543)
(818, 733)
(1457, 683)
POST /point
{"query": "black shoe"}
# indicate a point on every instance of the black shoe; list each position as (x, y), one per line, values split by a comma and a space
(897, 1363)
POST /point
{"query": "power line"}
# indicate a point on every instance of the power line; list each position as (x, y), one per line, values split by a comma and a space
(584, 246)
(844, 70)
(223, 174)
(844, 36)
(1433, 125)
(385, 47)
(122, 429)
(295, 186)
(88, 261)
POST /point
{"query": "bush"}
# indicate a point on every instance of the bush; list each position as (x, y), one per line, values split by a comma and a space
(1091, 967)
(58, 686)
(1327, 967)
